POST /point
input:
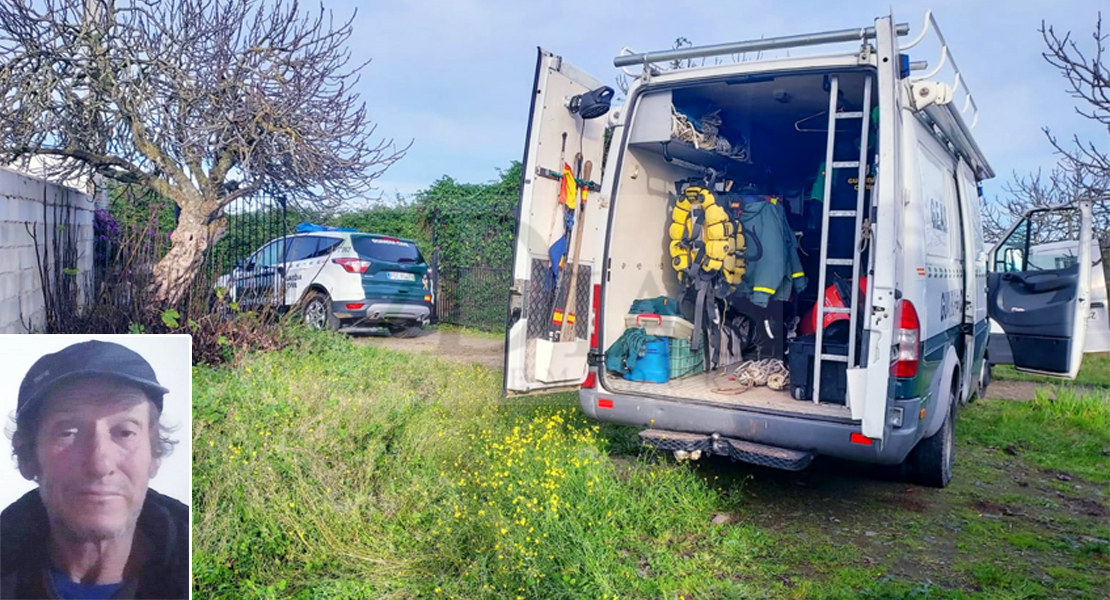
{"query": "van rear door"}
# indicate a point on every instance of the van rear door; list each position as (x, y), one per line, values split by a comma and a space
(1043, 301)
(868, 384)
(535, 361)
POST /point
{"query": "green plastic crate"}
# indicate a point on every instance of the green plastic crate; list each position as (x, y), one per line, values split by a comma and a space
(684, 362)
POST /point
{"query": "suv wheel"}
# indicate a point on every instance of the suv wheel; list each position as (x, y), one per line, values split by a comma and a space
(317, 312)
(930, 462)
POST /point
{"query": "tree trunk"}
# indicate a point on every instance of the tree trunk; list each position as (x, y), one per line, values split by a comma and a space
(175, 273)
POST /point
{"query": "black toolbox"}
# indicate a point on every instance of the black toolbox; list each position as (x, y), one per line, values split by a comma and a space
(834, 374)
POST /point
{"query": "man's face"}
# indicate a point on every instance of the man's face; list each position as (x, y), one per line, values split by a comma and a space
(94, 458)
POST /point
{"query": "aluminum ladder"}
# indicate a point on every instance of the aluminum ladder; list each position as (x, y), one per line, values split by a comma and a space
(831, 167)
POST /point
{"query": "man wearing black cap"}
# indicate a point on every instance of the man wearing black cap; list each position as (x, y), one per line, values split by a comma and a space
(88, 432)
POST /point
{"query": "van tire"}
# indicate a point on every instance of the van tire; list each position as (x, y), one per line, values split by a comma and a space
(317, 312)
(984, 381)
(930, 462)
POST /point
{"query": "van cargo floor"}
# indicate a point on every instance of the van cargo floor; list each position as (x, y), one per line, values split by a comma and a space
(701, 387)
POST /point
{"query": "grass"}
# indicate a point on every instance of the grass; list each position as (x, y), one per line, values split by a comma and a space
(470, 331)
(1068, 432)
(1095, 371)
(333, 470)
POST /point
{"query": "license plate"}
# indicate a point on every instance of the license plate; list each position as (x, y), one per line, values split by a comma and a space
(396, 276)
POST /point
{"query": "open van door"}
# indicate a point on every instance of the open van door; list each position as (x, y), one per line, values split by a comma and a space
(1043, 306)
(562, 123)
(869, 384)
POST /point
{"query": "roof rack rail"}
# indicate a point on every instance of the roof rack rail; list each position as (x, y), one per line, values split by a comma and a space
(789, 41)
(945, 56)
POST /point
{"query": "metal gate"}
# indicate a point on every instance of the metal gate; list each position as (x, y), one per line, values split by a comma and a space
(472, 260)
(234, 261)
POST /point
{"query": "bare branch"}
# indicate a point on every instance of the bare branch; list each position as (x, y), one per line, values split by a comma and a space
(1088, 77)
(204, 101)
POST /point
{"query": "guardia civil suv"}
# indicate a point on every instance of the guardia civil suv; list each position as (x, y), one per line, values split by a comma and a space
(337, 278)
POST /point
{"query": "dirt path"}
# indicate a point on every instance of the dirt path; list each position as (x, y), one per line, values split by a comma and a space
(446, 344)
(1026, 390)
(1013, 390)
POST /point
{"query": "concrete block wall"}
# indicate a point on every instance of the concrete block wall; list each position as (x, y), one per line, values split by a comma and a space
(22, 200)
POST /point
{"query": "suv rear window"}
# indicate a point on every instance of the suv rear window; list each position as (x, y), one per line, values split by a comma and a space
(386, 249)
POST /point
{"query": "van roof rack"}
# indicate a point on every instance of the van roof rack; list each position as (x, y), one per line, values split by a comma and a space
(628, 58)
(950, 120)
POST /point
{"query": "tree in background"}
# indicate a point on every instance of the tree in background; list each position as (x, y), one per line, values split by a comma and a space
(1084, 169)
(202, 101)
(474, 223)
(1088, 78)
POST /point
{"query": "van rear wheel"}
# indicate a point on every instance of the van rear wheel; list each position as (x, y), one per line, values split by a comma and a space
(930, 462)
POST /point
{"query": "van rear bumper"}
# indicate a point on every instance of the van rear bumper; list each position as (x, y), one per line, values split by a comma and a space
(380, 311)
(821, 435)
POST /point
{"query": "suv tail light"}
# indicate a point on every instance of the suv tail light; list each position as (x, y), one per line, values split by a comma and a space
(907, 342)
(352, 265)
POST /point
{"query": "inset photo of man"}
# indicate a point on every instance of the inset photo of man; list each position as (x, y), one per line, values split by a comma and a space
(97, 490)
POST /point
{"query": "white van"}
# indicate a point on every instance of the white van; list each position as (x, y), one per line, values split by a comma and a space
(907, 244)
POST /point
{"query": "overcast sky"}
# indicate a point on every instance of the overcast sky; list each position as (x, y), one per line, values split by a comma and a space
(454, 77)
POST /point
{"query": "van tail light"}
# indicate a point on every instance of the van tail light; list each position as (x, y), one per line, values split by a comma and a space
(591, 377)
(597, 310)
(352, 265)
(858, 438)
(907, 342)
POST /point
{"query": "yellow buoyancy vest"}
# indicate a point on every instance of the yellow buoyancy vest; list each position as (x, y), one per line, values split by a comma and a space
(702, 234)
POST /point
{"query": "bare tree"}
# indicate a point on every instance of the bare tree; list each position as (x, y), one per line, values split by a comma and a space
(1088, 77)
(202, 101)
(1026, 192)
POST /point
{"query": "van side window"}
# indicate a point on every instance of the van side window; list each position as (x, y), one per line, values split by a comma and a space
(1040, 242)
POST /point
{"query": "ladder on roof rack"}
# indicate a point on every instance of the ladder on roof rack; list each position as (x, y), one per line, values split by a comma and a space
(831, 166)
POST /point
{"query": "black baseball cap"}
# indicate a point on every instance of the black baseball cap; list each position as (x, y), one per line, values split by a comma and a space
(93, 358)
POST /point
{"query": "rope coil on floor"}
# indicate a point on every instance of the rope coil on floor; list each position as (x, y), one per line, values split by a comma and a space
(770, 372)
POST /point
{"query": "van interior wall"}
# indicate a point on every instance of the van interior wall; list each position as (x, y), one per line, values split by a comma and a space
(638, 245)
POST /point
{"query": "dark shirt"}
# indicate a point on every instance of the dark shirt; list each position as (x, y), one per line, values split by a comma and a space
(25, 566)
